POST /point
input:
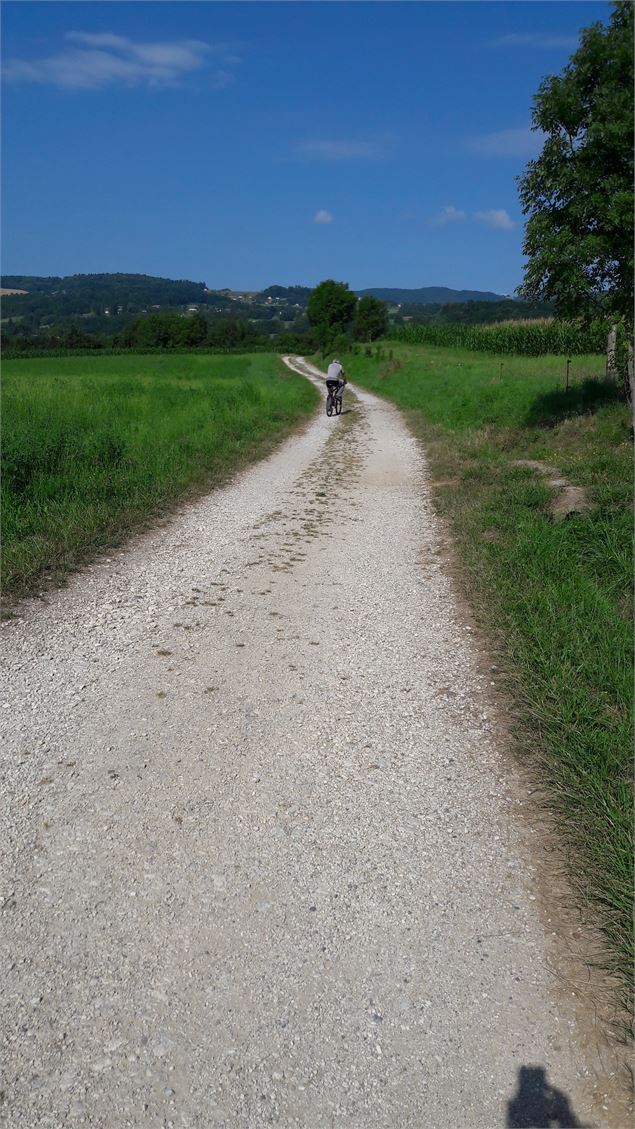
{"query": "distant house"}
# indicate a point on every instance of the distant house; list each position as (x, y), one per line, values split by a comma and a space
(192, 309)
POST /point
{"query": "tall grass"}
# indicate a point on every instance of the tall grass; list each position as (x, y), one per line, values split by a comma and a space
(93, 446)
(556, 598)
(522, 338)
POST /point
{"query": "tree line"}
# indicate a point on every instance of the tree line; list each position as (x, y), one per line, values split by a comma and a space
(336, 318)
(159, 332)
(472, 312)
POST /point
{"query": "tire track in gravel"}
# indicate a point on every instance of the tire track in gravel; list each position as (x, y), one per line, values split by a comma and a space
(262, 859)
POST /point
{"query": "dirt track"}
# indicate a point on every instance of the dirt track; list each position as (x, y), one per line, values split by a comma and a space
(264, 865)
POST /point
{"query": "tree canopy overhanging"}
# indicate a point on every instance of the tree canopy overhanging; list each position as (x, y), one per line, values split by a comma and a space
(578, 194)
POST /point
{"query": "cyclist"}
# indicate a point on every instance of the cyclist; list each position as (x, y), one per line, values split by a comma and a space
(336, 378)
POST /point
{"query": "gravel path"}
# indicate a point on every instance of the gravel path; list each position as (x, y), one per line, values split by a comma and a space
(263, 864)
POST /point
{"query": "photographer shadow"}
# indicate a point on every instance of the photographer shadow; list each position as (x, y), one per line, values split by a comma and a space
(537, 1105)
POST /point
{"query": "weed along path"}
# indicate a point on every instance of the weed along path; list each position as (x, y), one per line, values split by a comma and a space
(263, 859)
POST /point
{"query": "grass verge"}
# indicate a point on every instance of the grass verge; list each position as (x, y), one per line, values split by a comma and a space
(94, 446)
(557, 597)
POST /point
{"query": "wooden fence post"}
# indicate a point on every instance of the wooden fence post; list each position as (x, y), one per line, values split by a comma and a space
(631, 376)
(611, 356)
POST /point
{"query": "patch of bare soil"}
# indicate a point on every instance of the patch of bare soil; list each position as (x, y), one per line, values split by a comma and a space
(570, 499)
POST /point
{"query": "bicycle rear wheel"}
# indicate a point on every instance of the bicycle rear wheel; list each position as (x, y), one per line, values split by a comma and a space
(329, 405)
(338, 406)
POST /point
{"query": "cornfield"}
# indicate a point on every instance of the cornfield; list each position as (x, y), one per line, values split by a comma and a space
(523, 338)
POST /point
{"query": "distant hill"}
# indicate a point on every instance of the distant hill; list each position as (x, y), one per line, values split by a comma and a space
(79, 293)
(429, 295)
(104, 303)
(112, 288)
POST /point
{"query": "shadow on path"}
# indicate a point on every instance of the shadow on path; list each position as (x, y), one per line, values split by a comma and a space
(537, 1105)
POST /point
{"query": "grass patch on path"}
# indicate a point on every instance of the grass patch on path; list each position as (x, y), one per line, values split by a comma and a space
(95, 446)
(557, 597)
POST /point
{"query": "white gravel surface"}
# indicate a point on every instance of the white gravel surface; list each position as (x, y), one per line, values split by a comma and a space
(262, 863)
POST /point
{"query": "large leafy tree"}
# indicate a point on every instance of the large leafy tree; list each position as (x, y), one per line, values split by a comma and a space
(578, 194)
(371, 319)
(330, 310)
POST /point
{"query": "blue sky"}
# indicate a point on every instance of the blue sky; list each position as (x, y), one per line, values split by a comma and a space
(246, 143)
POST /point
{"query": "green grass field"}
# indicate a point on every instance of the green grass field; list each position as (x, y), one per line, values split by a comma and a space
(556, 598)
(94, 446)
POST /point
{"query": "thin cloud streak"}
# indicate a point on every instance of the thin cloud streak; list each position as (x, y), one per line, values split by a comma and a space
(449, 214)
(497, 218)
(523, 142)
(537, 39)
(323, 216)
(103, 59)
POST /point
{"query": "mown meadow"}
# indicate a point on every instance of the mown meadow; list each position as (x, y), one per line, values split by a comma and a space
(555, 597)
(94, 446)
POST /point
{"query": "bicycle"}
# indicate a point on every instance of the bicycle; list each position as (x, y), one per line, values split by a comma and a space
(334, 397)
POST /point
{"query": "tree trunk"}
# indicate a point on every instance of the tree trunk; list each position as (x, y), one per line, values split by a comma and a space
(611, 356)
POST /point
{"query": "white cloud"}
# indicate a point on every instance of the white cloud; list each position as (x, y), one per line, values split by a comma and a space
(449, 214)
(102, 59)
(523, 142)
(98, 39)
(323, 216)
(333, 150)
(496, 217)
(537, 39)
